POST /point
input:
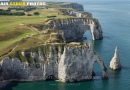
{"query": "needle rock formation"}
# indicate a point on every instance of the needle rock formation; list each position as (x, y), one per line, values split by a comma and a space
(115, 62)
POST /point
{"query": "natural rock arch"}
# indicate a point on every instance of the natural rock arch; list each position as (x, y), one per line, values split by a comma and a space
(102, 65)
(96, 57)
(74, 28)
(87, 36)
(80, 68)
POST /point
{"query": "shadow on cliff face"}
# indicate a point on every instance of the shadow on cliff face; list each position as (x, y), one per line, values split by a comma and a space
(7, 85)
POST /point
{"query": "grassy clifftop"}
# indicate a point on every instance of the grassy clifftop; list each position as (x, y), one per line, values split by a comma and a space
(42, 42)
(14, 27)
(16, 33)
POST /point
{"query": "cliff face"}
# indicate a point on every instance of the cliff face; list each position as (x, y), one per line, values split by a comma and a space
(66, 62)
(77, 64)
(74, 28)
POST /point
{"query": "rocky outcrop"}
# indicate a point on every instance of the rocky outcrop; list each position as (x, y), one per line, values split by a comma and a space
(115, 62)
(66, 62)
(76, 6)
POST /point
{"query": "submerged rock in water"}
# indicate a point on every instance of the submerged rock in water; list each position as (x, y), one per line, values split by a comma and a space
(115, 62)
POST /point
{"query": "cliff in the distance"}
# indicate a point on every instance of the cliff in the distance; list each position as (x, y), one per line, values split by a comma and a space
(76, 6)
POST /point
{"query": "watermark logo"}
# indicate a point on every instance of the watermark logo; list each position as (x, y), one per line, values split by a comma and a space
(22, 3)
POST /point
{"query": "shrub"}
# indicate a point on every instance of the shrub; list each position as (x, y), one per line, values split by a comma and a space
(12, 13)
(1, 10)
(36, 13)
(19, 13)
(27, 10)
(50, 16)
(29, 14)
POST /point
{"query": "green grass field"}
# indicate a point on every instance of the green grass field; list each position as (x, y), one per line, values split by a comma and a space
(15, 28)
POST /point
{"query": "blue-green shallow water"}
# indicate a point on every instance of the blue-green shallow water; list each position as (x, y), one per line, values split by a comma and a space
(115, 20)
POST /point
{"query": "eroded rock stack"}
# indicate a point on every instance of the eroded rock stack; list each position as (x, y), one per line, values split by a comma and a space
(115, 62)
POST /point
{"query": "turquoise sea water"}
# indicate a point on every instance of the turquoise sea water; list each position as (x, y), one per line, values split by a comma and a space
(115, 21)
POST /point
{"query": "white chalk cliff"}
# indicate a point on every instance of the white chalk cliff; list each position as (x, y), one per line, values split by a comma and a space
(115, 62)
(67, 63)
(74, 28)
(56, 58)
